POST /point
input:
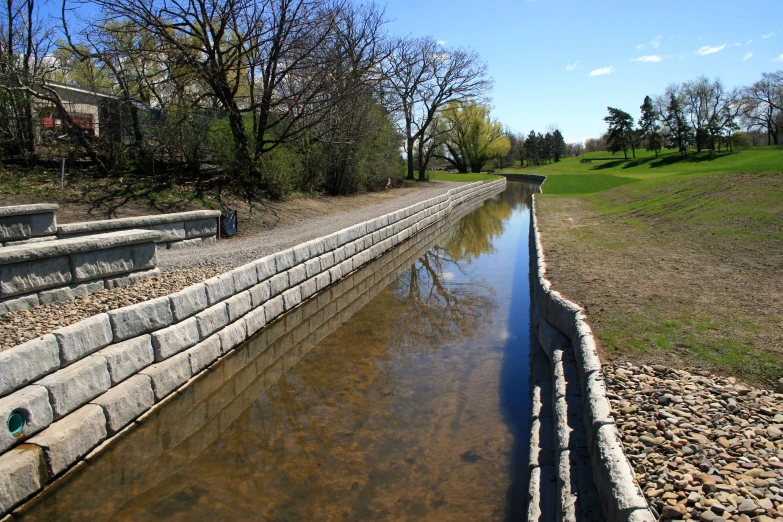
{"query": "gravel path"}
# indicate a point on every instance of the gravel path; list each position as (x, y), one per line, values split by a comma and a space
(182, 268)
(703, 447)
(231, 253)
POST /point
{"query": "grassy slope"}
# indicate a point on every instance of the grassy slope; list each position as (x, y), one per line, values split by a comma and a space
(725, 232)
(467, 178)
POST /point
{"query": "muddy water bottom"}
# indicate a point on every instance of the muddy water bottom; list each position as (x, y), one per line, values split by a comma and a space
(398, 393)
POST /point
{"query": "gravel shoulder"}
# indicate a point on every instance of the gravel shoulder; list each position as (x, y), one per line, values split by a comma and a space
(182, 268)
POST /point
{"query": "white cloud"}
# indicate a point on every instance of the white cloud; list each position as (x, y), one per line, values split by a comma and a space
(768, 35)
(602, 71)
(747, 56)
(704, 51)
(778, 59)
(572, 66)
(655, 42)
(652, 58)
(750, 41)
(442, 42)
(737, 45)
(640, 46)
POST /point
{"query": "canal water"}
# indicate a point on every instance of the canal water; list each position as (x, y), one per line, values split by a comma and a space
(399, 393)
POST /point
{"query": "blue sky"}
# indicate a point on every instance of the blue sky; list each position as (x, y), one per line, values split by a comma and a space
(541, 53)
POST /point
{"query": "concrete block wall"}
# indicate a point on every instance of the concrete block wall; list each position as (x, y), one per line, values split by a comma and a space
(21, 223)
(54, 271)
(177, 230)
(568, 354)
(167, 340)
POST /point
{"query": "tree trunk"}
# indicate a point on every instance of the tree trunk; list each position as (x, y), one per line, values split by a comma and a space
(409, 148)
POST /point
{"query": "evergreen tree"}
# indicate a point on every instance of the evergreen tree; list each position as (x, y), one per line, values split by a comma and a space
(620, 134)
(648, 126)
(558, 145)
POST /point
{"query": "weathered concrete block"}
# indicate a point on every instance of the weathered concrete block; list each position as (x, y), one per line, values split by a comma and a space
(232, 336)
(212, 319)
(308, 288)
(316, 247)
(201, 227)
(331, 242)
(296, 275)
(28, 276)
(170, 231)
(279, 284)
(255, 320)
(301, 253)
(238, 305)
(185, 243)
(219, 288)
(168, 375)
(208, 240)
(273, 309)
(132, 321)
(14, 228)
(119, 281)
(83, 338)
(189, 301)
(15, 304)
(339, 255)
(66, 441)
(203, 354)
(22, 474)
(265, 268)
(322, 280)
(33, 403)
(244, 277)
(126, 401)
(284, 260)
(67, 293)
(77, 384)
(326, 261)
(259, 294)
(312, 267)
(175, 338)
(27, 362)
(112, 261)
(291, 298)
(128, 357)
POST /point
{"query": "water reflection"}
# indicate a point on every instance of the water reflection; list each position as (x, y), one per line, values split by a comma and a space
(377, 399)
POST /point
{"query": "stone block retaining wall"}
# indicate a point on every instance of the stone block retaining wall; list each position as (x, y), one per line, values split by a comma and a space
(83, 383)
(568, 386)
(178, 230)
(55, 271)
(27, 223)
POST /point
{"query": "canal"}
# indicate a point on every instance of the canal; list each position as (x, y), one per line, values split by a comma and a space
(401, 392)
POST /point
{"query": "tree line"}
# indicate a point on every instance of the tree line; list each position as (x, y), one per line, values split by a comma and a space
(261, 97)
(703, 114)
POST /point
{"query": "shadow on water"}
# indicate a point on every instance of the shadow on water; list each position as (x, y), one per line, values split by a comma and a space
(400, 392)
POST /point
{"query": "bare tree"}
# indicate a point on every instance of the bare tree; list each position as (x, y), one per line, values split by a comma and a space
(762, 105)
(419, 77)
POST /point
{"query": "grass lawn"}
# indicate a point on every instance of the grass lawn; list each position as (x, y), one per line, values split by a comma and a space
(684, 268)
(466, 178)
(583, 183)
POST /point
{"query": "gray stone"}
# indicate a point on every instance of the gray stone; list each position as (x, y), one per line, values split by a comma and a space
(27, 362)
(168, 375)
(71, 438)
(186, 243)
(238, 306)
(779, 387)
(113, 261)
(219, 288)
(212, 319)
(291, 298)
(77, 384)
(209, 240)
(33, 403)
(278, 284)
(83, 338)
(312, 267)
(259, 294)
(119, 281)
(128, 357)
(14, 228)
(301, 253)
(284, 260)
(255, 320)
(201, 227)
(322, 281)
(67, 293)
(125, 402)
(140, 222)
(140, 318)
(273, 309)
(265, 268)
(204, 354)
(232, 336)
(244, 277)
(189, 301)
(22, 474)
(15, 304)
(25, 277)
(308, 288)
(170, 231)
(316, 247)
(175, 338)
(296, 275)
(33, 208)
(747, 506)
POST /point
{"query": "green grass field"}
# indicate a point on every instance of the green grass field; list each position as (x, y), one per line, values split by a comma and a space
(466, 178)
(594, 177)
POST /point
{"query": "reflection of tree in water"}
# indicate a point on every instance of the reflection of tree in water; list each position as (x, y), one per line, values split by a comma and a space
(472, 236)
(517, 194)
